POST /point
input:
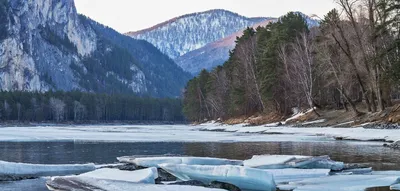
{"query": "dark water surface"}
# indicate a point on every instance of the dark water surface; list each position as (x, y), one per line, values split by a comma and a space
(371, 154)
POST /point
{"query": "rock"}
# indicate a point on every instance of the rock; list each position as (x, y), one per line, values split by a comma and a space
(164, 176)
(386, 145)
(214, 184)
(225, 186)
(382, 126)
(395, 145)
(126, 167)
(190, 183)
(15, 178)
(354, 166)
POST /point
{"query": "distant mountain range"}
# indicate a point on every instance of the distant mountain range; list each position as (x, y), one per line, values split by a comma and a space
(202, 40)
(46, 45)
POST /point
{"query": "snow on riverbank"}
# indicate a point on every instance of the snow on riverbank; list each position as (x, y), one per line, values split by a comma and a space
(359, 133)
(186, 133)
(138, 133)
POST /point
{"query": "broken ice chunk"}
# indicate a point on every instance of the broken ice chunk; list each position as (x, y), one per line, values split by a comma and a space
(147, 176)
(18, 171)
(243, 177)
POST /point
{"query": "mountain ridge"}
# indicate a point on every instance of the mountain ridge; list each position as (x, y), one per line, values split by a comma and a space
(192, 53)
(183, 16)
(46, 45)
(185, 33)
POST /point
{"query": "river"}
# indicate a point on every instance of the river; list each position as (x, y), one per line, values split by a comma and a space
(73, 152)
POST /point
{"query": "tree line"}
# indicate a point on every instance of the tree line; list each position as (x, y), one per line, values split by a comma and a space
(83, 107)
(350, 61)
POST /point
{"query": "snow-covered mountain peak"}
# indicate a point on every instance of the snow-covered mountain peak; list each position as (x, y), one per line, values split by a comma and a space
(186, 33)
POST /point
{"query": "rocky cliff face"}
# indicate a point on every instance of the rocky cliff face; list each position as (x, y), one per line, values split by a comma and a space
(181, 35)
(45, 44)
(28, 54)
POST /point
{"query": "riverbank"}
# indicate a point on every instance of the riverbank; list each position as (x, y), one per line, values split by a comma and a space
(387, 119)
(82, 123)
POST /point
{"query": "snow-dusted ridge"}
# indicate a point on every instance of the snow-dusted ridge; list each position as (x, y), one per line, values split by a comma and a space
(186, 33)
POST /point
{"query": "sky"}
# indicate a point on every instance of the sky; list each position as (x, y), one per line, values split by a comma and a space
(133, 15)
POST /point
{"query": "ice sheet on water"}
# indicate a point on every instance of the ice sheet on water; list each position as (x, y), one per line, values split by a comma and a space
(342, 183)
(156, 161)
(242, 177)
(15, 171)
(395, 187)
(38, 184)
(291, 175)
(85, 183)
(270, 161)
(358, 171)
(147, 176)
(292, 161)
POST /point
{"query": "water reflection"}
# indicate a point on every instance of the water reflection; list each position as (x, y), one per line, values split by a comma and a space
(69, 152)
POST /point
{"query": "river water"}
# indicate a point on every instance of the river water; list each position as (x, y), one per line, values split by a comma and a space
(368, 153)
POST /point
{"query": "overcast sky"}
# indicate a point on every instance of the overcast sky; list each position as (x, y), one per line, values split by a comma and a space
(132, 15)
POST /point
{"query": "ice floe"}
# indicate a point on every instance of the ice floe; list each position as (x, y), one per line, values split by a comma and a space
(242, 177)
(291, 175)
(86, 183)
(395, 187)
(16, 171)
(342, 183)
(292, 161)
(147, 176)
(156, 161)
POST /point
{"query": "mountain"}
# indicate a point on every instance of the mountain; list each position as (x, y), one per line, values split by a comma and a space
(216, 53)
(202, 40)
(46, 45)
(186, 33)
(213, 54)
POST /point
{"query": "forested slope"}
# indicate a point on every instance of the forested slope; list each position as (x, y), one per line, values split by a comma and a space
(351, 58)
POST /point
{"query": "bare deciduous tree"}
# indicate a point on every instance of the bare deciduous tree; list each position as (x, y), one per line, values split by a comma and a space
(58, 108)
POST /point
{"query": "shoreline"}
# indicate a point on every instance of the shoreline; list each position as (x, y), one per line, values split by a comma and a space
(88, 123)
(359, 133)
